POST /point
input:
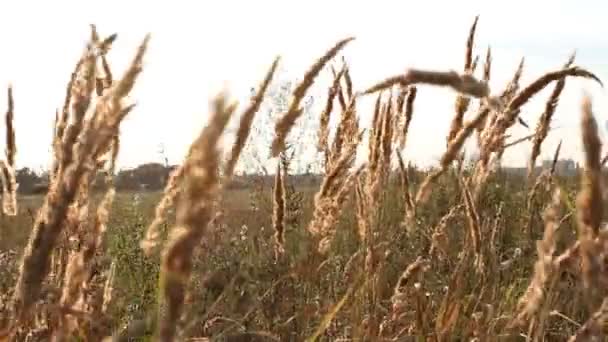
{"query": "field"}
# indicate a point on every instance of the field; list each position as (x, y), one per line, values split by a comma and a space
(381, 251)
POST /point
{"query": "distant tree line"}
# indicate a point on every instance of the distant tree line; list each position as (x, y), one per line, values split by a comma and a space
(145, 177)
(149, 176)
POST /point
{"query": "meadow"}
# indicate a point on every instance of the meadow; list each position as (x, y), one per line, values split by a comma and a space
(382, 251)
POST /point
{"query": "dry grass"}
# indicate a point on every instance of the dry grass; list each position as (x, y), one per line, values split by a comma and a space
(359, 258)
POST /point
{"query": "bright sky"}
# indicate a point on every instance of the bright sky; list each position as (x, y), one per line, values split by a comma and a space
(199, 46)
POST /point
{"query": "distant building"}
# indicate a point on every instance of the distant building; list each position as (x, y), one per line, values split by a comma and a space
(564, 167)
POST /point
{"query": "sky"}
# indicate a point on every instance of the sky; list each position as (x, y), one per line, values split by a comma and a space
(198, 48)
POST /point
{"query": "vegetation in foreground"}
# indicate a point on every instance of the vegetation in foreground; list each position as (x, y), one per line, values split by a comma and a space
(380, 251)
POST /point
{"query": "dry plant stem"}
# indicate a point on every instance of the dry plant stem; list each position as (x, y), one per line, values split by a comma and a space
(347, 80)
(153, 235)
(450, 155)
(278, 209)
(7, 168)
(194, 212)
(407, 196)
(82, 261)
(286, 122)
(339, 91)
(97, 134)
(462, 102)
(465, 84)
(542, 127)
(327, 200)
(407, 113)
(247, 119)
(527, 93)
(593, 329)
(474, 223)
(11, 147)
(326, 114)
(590, 208)
(590, 198)
(544, 268)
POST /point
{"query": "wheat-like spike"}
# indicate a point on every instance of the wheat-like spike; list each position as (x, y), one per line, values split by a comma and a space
(98, 133)
(590, 205)
(462, 102)
(556, 157)
(405, 184)
(346, 130)
(408, 113)
(194, 212)
(7, 169)
(473, 222)
(468, 60)
(278, 209)
(544, 268)
(247, 119)
(513, 85)
(542, 127)
(450, 155)
(286, 122)
(347, 79)
(525, 94)
(465, 84)
(326, 114)
(487, 66)
(590, 197)
(11, 146)
(340, 93)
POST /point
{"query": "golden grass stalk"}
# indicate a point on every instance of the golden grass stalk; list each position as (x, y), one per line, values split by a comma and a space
(590, 197)
(334, 207)
(7, 168)
(247, 119)
(278, 209)
(462, 102)
(465, 84)
(407, 196)
(544, 268)
(408, 112)
(590, 207)
(194, 212)
(286, 122)
(542, 127)
(153, 235)
(474, 223)
(513, 85)
(63, 121)
(410, 277)
(326, 114)
(439, 238)
(96, 135)
(449, 155)
(330, 197)
(487, 65)
(387, 133)
(339, 90)
(11, 146)
(375, 137)
(108, 288)
(347, 80)
(539, 84)
(347, 130)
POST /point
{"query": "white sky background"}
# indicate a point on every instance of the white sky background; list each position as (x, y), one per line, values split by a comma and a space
(197, 47)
